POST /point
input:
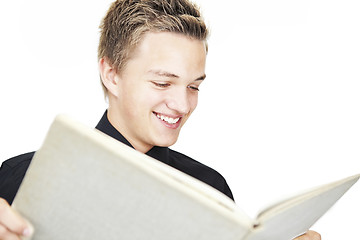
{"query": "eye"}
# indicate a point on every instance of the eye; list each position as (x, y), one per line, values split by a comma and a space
(161, 84)
(194, 88)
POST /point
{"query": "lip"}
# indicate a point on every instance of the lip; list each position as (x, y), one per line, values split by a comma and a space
(166, 124)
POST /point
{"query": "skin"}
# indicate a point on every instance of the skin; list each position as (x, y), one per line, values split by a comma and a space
(160, 79)
(12, 225)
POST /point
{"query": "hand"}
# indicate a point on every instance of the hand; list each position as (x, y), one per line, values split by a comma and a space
(12, 225)
(309, 235)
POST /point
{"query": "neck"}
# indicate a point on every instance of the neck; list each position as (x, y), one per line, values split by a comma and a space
(116, 123)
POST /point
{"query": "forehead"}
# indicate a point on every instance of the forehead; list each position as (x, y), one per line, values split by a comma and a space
(171, 50)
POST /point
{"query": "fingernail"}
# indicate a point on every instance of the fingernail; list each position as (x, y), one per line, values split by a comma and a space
(26, 232)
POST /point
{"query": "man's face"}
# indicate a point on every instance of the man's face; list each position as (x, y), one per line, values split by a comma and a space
(158, 89)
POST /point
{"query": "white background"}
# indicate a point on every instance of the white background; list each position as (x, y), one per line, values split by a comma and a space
(279, 111)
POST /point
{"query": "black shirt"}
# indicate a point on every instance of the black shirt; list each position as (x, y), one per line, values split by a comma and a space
(13, 170)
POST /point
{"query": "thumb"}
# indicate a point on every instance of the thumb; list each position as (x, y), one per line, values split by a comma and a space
(12, 220)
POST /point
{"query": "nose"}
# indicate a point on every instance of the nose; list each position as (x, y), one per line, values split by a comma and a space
(181, 101)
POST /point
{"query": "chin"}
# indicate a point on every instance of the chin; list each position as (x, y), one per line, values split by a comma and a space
(166, 143)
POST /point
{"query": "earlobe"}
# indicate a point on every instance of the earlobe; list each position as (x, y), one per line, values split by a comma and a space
(108, 76)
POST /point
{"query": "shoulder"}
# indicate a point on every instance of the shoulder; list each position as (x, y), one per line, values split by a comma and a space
(12, 172)
(200, 171)
(23, 159)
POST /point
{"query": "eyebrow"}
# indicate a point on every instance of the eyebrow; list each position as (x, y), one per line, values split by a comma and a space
(162, 73)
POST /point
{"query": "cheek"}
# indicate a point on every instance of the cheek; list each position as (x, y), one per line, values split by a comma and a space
(193, 101)
(133, 102)
(152, 99)
(144, 101)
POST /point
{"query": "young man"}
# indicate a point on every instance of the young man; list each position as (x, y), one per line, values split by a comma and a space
(152, 62)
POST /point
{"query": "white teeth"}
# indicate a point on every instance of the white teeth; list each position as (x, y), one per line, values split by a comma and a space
(168, 119)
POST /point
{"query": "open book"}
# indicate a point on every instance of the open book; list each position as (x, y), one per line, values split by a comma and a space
(82, 184)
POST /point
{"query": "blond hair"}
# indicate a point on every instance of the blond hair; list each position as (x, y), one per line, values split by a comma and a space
(128, 20)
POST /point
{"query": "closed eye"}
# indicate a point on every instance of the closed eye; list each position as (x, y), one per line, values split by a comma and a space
(194, 88)
(161, 84)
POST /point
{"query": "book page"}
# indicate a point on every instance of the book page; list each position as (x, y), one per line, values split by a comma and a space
(296, 215)
(83, 184)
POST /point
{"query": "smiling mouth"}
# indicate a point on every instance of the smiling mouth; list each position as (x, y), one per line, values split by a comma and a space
(167, 119)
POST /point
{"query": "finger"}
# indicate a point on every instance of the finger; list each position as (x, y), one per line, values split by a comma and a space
(314, 235)
(309, 235)
(5, 234)
(12, 221)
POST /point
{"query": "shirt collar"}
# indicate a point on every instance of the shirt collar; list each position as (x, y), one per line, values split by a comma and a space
(104, 125)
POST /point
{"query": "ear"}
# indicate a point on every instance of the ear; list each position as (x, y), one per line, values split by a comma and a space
(109, 76)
